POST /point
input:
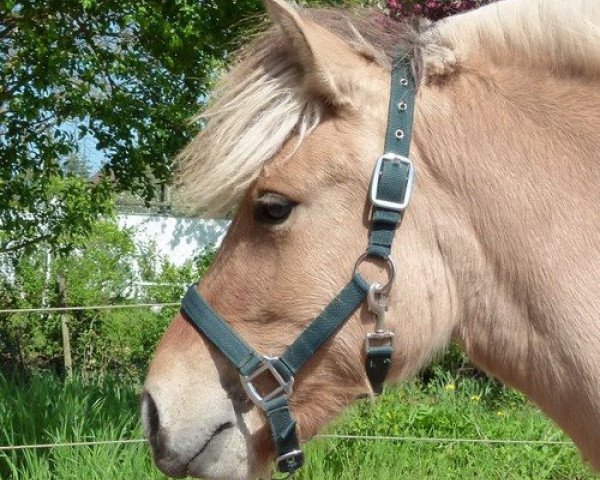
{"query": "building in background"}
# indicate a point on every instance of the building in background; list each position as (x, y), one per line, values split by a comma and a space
(157, 225)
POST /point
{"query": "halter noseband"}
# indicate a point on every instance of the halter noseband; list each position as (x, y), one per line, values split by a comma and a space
(390, 192)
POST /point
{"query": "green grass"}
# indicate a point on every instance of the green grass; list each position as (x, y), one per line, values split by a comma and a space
(445, 410)
(43, 409)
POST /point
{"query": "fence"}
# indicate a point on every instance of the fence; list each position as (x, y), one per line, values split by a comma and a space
(88, 307)
(440, 440)
(487, 441)
(64, 310)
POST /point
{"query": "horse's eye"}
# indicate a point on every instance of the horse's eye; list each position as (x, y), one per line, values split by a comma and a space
(272, 209)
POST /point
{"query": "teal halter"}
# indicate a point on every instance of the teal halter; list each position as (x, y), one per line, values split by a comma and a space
(390, 193)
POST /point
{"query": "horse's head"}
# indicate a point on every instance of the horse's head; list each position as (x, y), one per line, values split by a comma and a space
(290, 141)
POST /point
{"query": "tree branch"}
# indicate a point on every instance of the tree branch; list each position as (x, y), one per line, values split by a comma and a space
(22, 245)
(6, 30)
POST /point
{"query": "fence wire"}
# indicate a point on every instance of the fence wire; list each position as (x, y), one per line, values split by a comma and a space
(488, 441)
(89, 307)
(39, 446)
(441, 440)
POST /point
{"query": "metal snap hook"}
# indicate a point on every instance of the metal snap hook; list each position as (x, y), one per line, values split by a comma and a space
(377, 304)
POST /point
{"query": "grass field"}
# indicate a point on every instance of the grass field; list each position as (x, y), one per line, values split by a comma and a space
(44, 409)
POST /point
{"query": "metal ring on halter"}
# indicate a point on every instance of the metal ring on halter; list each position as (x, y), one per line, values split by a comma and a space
(391, 270)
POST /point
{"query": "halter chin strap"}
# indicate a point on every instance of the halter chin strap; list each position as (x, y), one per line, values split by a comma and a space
(390, 192)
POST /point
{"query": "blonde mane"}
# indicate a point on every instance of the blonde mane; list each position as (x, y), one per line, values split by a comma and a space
(260, 103)
(257, 107)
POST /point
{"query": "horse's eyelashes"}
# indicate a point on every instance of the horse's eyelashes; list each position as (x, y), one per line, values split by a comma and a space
(272, 209)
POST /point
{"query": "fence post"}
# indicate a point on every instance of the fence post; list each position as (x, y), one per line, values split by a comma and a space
(64, 326)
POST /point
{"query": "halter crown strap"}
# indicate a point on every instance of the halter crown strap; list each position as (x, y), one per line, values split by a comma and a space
(390, 191)
(393, 176)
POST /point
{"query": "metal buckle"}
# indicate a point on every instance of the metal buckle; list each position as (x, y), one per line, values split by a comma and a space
(388, 205)
(379, 339)
(296, 455)
(268, 364)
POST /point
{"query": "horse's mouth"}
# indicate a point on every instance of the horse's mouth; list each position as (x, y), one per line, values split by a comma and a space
(220, 429)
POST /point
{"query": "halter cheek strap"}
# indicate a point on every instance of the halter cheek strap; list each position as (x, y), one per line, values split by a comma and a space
(390, 192)
(391, 189)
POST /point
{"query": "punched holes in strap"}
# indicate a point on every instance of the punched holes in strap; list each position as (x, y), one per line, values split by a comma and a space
(391, 188)
(393, 177)
(401, 107)
(390, 194)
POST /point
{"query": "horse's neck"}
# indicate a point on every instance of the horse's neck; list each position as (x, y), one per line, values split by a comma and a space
(521, 179)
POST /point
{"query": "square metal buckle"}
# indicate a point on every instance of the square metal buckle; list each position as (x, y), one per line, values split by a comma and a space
(379, 339)
(267, 364)
(388, 205)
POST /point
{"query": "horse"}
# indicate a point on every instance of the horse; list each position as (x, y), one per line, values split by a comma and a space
(498, 250)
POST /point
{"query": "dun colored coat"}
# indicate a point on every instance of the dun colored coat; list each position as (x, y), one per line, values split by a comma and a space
(499, 250)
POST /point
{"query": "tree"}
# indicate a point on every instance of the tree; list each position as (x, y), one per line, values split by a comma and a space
(76, 165)
(123, 75)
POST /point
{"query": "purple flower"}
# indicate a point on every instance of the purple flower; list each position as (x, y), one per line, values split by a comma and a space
(432, 9)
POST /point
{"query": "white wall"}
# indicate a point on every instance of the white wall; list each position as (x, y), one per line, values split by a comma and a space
(177, 238)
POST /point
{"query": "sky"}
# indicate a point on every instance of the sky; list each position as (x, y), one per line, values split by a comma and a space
(94, 157)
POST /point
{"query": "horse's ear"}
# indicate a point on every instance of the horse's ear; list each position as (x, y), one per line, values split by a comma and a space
(327, 60)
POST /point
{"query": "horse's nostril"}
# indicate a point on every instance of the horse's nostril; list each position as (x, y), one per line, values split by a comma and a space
(150, 418)
(165, 458)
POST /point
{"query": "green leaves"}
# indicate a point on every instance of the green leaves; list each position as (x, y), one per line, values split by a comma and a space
(122, 75)
(51, 207)
(107, 270)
